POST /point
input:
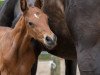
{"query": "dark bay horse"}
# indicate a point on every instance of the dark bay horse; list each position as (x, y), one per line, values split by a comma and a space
(16, 51)
(57, 23)
(82, 18)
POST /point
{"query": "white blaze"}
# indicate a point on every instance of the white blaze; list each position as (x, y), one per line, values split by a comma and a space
(36, 16)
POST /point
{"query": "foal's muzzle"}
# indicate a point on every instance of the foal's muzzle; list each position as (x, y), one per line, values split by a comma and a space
(50, 41)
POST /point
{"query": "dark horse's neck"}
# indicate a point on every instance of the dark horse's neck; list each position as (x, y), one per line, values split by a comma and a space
(57, 20)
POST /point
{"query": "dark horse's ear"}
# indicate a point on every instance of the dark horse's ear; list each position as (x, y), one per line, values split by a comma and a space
(23, 5)
(38, 3)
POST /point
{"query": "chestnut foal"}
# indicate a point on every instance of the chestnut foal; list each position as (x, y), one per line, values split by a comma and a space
(16, 52)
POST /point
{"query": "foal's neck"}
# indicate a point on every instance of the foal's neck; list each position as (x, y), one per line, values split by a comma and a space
(21, 30)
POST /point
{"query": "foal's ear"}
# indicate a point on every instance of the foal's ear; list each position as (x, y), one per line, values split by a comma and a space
(38, 3)
(23, 5)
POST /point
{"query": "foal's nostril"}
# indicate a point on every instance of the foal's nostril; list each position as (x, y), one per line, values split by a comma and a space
(49, 40)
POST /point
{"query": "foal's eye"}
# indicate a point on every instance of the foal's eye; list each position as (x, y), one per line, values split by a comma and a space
(30, 23)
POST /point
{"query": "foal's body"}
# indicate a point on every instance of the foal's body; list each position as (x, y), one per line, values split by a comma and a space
(15, 48)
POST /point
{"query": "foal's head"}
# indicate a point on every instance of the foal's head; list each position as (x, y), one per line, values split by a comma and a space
(37, 25)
